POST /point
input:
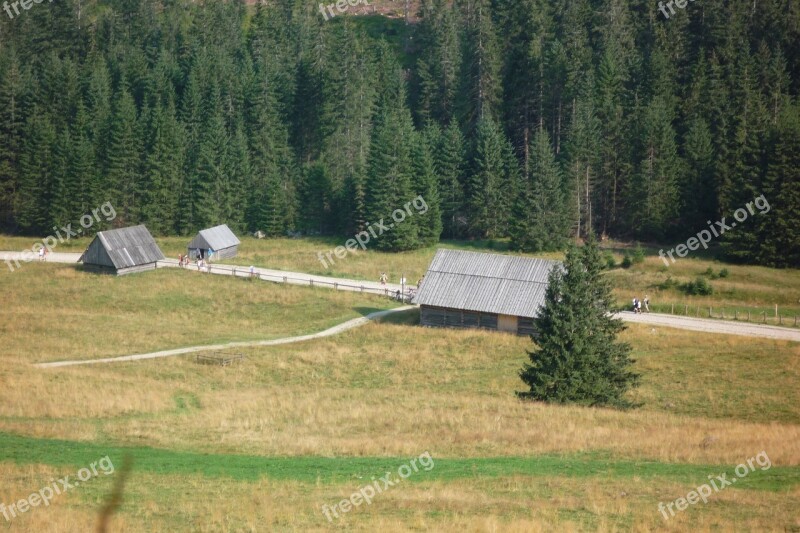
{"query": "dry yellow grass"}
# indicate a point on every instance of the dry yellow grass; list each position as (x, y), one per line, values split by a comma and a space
(387, 390)
(515, 504)
(393, 390)
(56, 312)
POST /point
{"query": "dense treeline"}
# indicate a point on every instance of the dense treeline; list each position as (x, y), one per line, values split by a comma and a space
(537, 120)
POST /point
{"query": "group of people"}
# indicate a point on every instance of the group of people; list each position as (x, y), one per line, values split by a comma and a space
(637, 304)
(43, 254)
(184, 261)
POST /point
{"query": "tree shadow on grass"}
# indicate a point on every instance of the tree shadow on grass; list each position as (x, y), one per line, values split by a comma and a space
(409, 317)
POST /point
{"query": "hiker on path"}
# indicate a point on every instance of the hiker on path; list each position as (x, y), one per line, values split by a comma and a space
(383, 278)
(646, 303)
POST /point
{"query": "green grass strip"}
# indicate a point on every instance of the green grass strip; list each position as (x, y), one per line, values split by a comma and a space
(28, 450)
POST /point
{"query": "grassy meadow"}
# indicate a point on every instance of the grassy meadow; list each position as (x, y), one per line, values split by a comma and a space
(263, 445)
(746, 289)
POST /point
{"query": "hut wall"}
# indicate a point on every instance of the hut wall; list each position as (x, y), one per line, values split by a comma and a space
(226, 253)
(456, 318)
(507, 323)
(525, 326)
(96, 255)
(137, 268)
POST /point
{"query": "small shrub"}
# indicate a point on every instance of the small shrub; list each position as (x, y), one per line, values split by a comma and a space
(709, 273)
(698, 287)
(668, 284)
(724, 273)
(610, 261)
(638, 254)
(626, 261)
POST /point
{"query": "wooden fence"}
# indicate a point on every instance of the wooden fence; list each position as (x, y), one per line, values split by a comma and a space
(755, 316)
(346, 285)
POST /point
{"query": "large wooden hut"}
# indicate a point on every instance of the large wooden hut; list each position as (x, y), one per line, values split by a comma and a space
(220, 239)
(123, 251)
(479, 290)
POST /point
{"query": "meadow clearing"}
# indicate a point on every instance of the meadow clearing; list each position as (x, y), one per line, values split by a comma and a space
(746, 289)
(263, 445)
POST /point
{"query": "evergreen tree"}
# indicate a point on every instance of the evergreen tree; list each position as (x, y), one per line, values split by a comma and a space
(698, 198)
(777, 209)
(163, 169)
(123, 169)
(390, 186)
(450, 163)
(489, 201)
(577, 357)
(32, 202)
(480, 85)
(541, 220)
(425, 186)
(439, 63)
(653, 195)
(12, 121)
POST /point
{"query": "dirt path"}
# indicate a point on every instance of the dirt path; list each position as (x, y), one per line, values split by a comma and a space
(706, 325)
(727, 327)
(344, 326)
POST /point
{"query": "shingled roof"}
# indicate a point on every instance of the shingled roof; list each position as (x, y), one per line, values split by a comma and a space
(128, 247)
(486, 283)
(216, 238)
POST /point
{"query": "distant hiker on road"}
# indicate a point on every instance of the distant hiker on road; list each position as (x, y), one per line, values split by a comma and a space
(41, 254)
(646, 303)
(252, 271)
(383, 278)
(634, 305)
(639, 306)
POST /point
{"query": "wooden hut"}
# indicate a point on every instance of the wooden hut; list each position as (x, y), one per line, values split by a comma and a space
(123, 251)
(220, 239)
(478, 290)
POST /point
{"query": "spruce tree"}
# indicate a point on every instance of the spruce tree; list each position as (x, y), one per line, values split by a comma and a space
(429, 223)
(541, 220)
(450, 164)
(123, 158)
(488, 182)
(577, 357)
